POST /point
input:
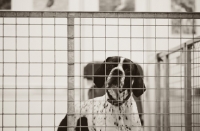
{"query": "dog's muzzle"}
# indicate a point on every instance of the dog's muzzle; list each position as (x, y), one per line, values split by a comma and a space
(116, 78)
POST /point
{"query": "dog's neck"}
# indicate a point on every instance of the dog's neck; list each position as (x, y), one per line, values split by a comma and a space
(118, 100)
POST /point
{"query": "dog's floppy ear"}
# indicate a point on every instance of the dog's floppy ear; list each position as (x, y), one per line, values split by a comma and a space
(99, 75)
(138, 84)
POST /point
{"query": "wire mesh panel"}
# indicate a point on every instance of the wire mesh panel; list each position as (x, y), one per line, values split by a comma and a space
(43, 57)
(34, 72)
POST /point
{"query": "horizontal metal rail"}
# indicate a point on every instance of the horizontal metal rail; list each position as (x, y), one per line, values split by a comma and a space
(59, 14)
(180, 47)
(80, 126)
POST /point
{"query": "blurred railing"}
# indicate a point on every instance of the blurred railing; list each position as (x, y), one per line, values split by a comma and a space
(178, 98)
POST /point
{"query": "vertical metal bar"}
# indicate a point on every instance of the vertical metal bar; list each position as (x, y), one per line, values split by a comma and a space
(182, 76)
(167, 90)
(41, 73)
(92, 65)
(117, 39)
(105, 62)
(15, 73)
(156, 65)
(70, 104)
(192, 73)
(29, 73)
(198, 83)
(80, 59)
(54, 86)
(166, 120)
(141, 98)
(158, 95)
(193, 81)
(187, 89)
(3, 76)
(80, 56)
(79, 90)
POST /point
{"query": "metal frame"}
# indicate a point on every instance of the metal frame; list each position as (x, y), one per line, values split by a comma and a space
(146, 15)
(71, 99)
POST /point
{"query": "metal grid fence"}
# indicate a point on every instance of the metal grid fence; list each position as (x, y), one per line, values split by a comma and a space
(43, 55)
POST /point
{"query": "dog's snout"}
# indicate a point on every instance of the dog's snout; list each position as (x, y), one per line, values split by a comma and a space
(117, 72)
(116, 78)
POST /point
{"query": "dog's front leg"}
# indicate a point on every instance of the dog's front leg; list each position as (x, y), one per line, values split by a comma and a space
(139, 107)
(63, 125)
(82, 124)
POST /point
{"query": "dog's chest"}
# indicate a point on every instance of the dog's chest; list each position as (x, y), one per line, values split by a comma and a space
(103, 116)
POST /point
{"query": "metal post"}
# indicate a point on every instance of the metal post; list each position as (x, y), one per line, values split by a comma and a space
(158, 99)
(166, 120)
(70, 104)
(187, 88)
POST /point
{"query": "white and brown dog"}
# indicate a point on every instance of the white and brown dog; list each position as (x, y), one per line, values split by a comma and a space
(116, 110)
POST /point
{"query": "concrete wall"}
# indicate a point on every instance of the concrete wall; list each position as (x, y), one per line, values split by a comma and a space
(22, 5)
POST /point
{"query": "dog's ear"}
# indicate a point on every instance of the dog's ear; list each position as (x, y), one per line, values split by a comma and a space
(99, 75)
(138, 86)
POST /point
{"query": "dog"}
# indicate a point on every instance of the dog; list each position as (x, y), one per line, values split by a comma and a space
(116, 110)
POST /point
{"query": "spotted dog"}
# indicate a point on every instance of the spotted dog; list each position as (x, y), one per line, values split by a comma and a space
(116, 110)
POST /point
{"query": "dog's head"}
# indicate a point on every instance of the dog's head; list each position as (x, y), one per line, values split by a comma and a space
(120, 74)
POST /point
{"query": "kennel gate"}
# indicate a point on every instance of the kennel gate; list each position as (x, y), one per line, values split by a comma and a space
(39, 51)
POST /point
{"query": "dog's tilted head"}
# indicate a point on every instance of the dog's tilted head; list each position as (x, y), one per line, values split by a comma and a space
(119, 75)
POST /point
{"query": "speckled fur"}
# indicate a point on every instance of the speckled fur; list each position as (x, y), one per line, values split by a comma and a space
(103, 116)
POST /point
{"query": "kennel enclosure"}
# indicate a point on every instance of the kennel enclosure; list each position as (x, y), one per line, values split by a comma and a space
(43, 55)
